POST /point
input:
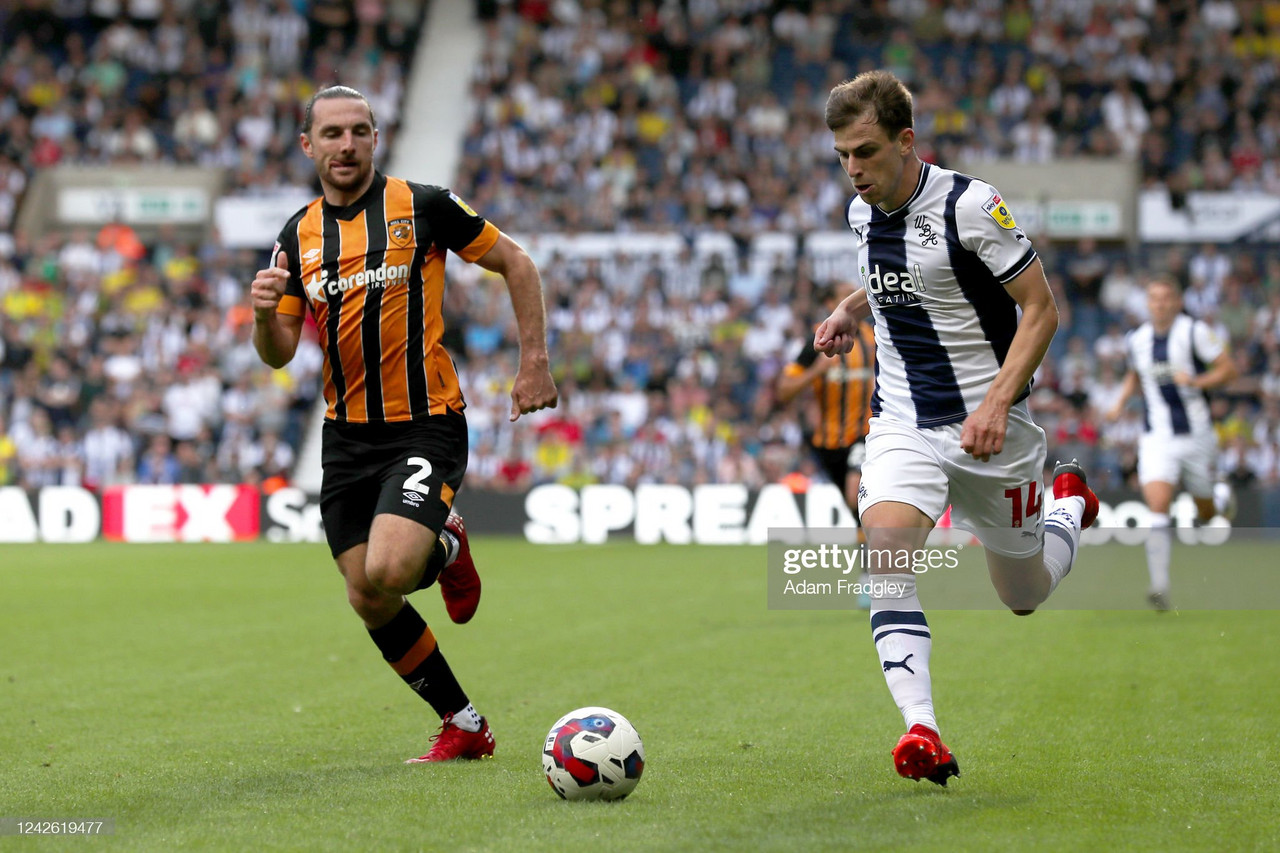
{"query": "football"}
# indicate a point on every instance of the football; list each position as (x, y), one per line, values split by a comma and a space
(593, 754)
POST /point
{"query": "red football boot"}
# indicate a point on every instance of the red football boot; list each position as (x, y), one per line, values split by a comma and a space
(452, 743)
(920, 754)
(459, 581)
(1069, 482)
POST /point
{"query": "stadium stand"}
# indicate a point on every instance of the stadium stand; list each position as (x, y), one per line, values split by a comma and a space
(124, 360)
(693, 129)
(707, 116)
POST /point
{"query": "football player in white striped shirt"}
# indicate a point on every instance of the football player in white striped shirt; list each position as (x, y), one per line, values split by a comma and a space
(1174, 360)
(963, 315)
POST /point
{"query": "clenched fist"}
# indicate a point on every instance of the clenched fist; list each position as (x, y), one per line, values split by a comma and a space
(268, 286)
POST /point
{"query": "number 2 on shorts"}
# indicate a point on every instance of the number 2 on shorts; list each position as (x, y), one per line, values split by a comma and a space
(417, 482)
(1033, 502)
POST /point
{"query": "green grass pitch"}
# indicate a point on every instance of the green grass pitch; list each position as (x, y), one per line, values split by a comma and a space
(225, 698)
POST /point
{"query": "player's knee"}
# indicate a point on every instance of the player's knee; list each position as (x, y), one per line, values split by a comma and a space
(894, 541)
(370, 604)
(393, 575)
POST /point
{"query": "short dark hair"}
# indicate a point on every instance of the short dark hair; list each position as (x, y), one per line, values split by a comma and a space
(877, 92)
(331, 93)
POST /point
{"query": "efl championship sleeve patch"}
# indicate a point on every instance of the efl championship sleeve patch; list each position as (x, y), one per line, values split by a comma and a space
(462, 204)
(999, 211)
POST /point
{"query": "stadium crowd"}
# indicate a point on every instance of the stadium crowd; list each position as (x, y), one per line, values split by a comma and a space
(131, 362)
(124, 360)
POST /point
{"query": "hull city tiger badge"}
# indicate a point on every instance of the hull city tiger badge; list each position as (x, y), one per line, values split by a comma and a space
(401, 231)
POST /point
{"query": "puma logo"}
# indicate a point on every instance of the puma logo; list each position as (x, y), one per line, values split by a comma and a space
(899, 664)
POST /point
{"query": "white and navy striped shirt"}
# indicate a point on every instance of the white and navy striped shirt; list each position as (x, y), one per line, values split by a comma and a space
(935, 272)
(1189, 346)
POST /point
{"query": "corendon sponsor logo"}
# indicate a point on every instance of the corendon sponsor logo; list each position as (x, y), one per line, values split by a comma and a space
(383, 276)
(849, 374)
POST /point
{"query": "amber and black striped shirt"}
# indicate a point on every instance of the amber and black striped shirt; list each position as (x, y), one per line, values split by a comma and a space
(372, 274)
(843, 392)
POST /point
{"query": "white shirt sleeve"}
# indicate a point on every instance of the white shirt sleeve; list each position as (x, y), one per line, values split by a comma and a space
(1206, 343)
(987, 228)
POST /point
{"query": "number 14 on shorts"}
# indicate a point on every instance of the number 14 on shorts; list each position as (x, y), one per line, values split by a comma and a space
(1028, 509)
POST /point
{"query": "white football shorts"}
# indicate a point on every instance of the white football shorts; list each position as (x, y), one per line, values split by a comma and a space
(1186, 459)
(927, 469)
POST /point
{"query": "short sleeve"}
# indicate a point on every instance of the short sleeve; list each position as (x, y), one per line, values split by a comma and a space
(1207, 344)
(987, 228)
(455, 226)
(294, 301)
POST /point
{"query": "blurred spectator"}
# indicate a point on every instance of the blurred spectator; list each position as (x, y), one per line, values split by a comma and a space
(108, 450)
(158, 465)
(9, 471)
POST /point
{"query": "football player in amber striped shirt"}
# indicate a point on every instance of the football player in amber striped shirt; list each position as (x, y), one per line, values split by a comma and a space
(367, 261)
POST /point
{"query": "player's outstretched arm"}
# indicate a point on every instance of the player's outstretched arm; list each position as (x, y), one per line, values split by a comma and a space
(983, 431)
(275, 335)
(836, 334)
(791, 381)
(534, 387)
(1127, 390)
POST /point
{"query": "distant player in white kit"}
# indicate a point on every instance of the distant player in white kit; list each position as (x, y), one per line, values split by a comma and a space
(945, 270)
(1174, 360)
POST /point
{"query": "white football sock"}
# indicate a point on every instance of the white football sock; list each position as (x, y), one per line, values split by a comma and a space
(1159, 548)
(1222, 500)
(1062, 538)
(467, 719)
(451, 547)
(903, 643)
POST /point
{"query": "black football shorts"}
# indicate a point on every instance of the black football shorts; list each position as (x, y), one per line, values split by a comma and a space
(837, 462)
(410, 468)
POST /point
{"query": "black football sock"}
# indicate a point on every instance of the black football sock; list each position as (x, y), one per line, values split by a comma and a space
(409, 646)
(435, 564)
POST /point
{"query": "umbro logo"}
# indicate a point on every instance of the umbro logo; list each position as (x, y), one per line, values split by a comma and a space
(899, 664)
(310, 254)
(413, 499)
(417, 685)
